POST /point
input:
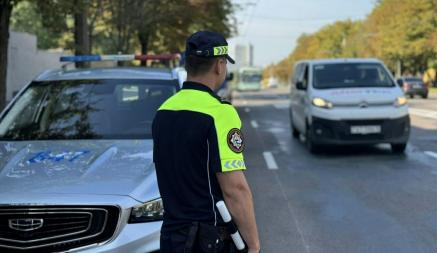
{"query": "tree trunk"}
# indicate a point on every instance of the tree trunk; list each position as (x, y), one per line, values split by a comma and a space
(5, 14)
(144, 41)
(81, 32)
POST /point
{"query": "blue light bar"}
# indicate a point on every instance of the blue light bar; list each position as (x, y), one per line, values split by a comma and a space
(80, 58)
(118, 57)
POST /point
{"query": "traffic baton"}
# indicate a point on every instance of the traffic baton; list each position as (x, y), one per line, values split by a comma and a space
(232, 229)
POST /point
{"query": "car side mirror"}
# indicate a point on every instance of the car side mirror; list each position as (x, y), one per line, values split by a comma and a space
(230, 77)
(300, 85)
(400, 83)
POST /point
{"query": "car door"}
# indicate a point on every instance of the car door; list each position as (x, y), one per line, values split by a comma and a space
(294, 94)
(301, 98)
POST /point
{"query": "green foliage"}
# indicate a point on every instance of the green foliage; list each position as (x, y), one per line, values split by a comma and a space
(396, 31)
(27, 18)
(123, 26)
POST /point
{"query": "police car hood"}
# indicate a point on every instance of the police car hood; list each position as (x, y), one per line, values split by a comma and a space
(372, 95)
(95, 167)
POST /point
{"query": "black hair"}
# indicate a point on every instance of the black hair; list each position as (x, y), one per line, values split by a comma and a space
(195, 65)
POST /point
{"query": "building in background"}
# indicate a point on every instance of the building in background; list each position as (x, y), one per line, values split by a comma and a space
(243, 55)
(25, 61)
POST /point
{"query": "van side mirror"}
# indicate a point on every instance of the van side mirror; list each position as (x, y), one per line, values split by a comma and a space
(230, 76)
(300, 85)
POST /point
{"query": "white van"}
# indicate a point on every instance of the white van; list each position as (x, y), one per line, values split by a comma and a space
(347, 101)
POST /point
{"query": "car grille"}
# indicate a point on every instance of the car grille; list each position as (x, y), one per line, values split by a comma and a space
(365, 104)
(55, 228)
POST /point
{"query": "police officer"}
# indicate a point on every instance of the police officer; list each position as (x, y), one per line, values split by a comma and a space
(198, 154)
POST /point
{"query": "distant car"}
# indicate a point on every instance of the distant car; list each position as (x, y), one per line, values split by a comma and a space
(413, 86)
(347, 101)
(76, 170)
(273, 82)
(225, 92)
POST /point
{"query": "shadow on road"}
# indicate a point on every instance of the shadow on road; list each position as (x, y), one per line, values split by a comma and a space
(354, 150)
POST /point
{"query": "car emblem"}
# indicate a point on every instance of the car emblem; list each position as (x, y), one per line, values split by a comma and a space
(25, 224)
(363, 105)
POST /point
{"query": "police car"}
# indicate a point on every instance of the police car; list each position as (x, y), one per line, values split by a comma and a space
(348, 101)
(76, 170)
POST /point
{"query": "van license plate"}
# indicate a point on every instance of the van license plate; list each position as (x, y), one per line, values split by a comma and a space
(365, 129)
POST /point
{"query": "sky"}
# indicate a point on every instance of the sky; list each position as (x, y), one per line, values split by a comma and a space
(273, 26)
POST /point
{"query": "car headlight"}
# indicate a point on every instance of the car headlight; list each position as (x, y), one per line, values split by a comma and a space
(400, 101)
(322, 103)
(149, 211)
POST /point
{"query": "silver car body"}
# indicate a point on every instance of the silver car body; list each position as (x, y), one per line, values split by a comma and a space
(87, 172)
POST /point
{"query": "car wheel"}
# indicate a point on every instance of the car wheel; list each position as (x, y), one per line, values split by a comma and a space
(425, 96)
(309, 141)
(411, 96)
(294, 130)
(398, 148)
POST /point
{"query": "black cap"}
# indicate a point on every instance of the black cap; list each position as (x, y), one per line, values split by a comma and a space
(207, 44)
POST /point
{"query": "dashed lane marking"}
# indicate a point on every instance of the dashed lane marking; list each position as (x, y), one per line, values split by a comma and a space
(423, 113)
(281, 106)
(432, 154)
(270, 161)
(254, 124)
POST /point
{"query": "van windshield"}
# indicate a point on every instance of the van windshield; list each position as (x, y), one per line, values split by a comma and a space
(350, 75)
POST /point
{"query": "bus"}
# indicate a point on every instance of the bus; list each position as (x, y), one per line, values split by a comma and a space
(249, 78)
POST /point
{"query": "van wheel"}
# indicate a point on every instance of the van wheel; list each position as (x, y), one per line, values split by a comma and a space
(309, 141)
(398, 148)
(294, 130)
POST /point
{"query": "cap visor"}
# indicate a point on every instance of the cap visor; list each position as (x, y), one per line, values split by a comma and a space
(230, 59)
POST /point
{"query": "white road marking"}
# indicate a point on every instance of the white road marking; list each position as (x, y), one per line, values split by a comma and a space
(247, 109)
(293, 215)
(244, 102)
(254, 124)
(432, 154)
(270, 161)
(281, 106)
(423, 113)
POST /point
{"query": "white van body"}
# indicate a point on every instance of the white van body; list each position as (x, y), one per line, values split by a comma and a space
(348, 101)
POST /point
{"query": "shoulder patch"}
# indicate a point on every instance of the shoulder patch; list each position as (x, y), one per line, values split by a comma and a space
(235, 140)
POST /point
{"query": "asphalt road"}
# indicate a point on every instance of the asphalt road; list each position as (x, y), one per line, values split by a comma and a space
(350, 199)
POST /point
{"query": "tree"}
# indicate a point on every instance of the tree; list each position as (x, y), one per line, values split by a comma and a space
(337, 40)
(397, 32)
(55, 15)
(6, 7)
(26, 17)
(151, 26)
(402, 32)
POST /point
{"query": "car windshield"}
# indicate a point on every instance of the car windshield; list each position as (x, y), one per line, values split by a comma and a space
(350, 75)
(90, 109)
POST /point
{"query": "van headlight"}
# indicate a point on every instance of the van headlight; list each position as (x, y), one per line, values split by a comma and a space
(149, 211)
(400, 101)
(322, 103)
